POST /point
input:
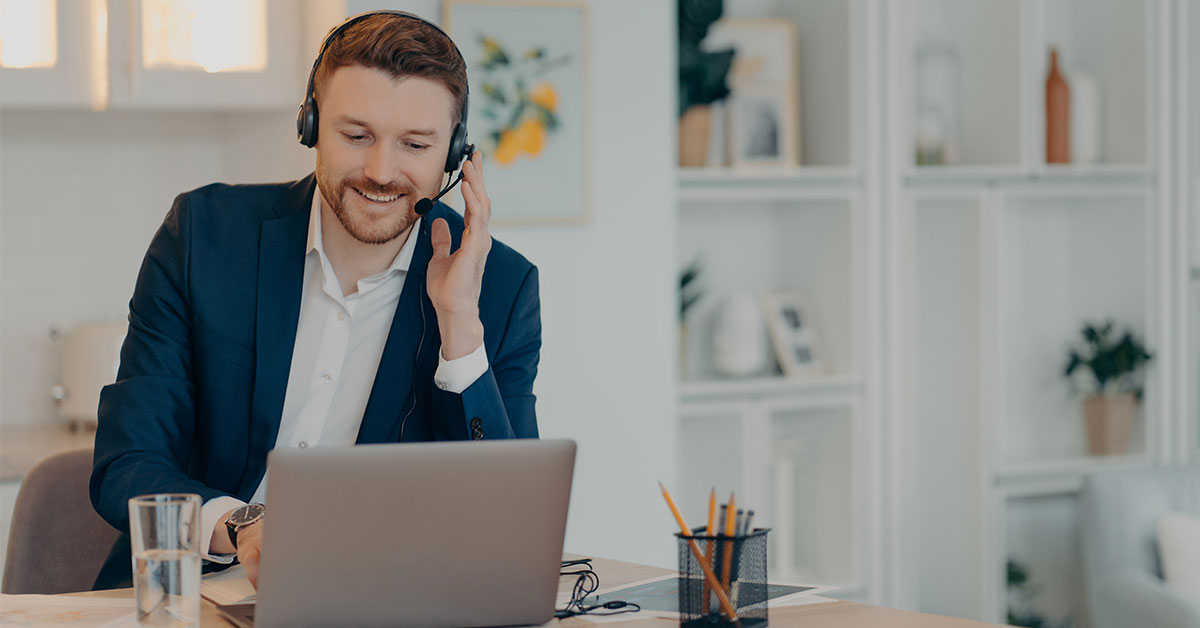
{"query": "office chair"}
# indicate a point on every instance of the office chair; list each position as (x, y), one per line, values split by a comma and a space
(57, 541)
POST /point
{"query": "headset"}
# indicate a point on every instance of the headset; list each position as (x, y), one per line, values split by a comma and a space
(460, 150)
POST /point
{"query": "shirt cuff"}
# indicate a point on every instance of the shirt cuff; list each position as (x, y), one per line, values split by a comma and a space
(457, 375)
(210, 518)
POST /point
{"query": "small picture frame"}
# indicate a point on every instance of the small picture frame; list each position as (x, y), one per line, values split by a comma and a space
(762, 126)
(795, 334)
(764, 111)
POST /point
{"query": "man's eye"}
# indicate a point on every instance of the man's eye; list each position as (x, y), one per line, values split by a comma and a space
(416, 146)
(355, 138)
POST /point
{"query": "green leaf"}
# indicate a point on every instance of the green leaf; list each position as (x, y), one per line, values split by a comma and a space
(547, 118)
(493, 93)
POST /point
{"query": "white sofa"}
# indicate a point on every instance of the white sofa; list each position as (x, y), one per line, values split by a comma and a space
(1119, 512)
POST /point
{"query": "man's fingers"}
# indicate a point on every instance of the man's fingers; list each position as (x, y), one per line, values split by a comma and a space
(439, 237)
(475, 212)
(476, 180)
(474, 193)
(251, 565)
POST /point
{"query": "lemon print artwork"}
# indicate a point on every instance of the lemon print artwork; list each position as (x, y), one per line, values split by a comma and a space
(520, 106)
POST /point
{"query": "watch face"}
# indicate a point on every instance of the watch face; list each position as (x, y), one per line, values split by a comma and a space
(246, 514)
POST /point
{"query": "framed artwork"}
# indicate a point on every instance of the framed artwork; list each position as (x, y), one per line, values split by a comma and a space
(762, 127)
(764, 111)
(795, 335)
(527, 68)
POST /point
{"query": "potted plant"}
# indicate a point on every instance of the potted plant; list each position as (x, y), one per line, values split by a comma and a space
(1021, 593)
(701, 78)
(1114, 386)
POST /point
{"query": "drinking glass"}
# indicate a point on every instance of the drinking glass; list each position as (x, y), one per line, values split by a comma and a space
(165, 533)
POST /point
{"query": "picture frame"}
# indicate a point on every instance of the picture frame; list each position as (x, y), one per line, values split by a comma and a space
(527, 71)
(763, 123)
(762, 128)
(795, 334)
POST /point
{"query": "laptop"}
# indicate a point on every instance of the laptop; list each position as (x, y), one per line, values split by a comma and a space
(429, 534)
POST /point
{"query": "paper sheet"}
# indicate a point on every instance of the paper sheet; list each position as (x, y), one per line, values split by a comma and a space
(228, 587)
(660, 597)
(75, 611)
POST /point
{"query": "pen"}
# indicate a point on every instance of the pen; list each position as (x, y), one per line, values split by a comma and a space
(728, 552)
(708, 550)
(749, 516)
(743, 521)
(704, 566)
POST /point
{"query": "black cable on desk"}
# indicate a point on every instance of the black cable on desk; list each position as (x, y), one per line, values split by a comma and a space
(587, 583)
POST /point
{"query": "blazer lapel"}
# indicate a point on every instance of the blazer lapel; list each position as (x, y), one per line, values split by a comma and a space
(282, 245)
(414, 330)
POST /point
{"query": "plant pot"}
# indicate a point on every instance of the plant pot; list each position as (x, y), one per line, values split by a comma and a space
(1108, 419)
(694, 128)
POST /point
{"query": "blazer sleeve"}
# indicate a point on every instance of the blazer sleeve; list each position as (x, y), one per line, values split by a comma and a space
(500, 403)
(146, 418)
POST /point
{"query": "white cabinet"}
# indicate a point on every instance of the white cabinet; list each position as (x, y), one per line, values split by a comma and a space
(54, 54)
(800, 451)
(1001, 259)
(947, 293)
(167, 54)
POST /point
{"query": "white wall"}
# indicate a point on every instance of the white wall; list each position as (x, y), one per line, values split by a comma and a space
(82, 193)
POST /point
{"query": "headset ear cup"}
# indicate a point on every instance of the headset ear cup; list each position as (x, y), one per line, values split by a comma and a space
(458, 142)
(306, 123)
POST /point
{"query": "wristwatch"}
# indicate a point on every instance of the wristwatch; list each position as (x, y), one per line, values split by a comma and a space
(241, 518)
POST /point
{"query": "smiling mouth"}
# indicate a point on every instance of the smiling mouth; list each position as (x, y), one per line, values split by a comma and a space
(378, 198)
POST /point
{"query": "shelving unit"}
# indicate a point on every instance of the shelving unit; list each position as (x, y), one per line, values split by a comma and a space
(948, 296)
(801, 452)
(1004, 257)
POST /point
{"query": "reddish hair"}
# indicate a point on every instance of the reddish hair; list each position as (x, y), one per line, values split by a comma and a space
(402, 47)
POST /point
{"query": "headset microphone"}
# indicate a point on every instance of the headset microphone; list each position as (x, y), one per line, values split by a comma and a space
(424, 205)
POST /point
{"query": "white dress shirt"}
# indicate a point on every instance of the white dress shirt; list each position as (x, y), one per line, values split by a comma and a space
(339, 341)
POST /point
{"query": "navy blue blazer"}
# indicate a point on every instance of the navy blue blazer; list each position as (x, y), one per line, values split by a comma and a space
(212, 324)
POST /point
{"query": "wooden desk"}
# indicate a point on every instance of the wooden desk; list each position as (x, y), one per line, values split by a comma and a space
(612, 573)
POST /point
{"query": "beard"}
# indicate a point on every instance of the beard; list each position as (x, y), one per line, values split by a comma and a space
(369, 228)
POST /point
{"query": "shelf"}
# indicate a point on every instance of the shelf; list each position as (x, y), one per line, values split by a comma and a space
(1060, 476)
(832, 390)
(1109, 175)
(728, 184)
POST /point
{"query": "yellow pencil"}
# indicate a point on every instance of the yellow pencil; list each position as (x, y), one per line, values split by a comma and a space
(708, 551)
(730, 532)
(709, 576)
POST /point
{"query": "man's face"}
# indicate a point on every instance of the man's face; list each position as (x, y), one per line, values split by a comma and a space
(381, 147)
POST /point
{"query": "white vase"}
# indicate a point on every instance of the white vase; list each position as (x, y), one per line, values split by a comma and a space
(740, 338)
(1086, 119)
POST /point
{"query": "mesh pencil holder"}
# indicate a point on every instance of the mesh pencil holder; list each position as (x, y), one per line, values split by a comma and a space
(739, 564)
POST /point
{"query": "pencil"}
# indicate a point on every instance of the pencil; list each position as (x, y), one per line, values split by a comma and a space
(708, 551)
(728, 552)
(709, 576)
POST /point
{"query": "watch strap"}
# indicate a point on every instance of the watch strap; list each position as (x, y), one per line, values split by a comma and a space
(232, 531)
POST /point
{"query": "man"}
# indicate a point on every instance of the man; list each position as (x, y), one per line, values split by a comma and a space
(323, 311)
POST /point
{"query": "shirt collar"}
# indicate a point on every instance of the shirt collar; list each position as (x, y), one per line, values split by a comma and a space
(315, 242)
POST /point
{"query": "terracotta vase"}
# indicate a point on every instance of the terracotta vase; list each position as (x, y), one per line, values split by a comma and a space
(1108, 419)
(1058, 114)
(694, 127)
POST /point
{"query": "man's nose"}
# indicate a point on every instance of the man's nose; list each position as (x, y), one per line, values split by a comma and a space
(383, 164)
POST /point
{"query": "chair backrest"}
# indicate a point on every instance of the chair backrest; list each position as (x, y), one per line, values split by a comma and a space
(57, 542)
